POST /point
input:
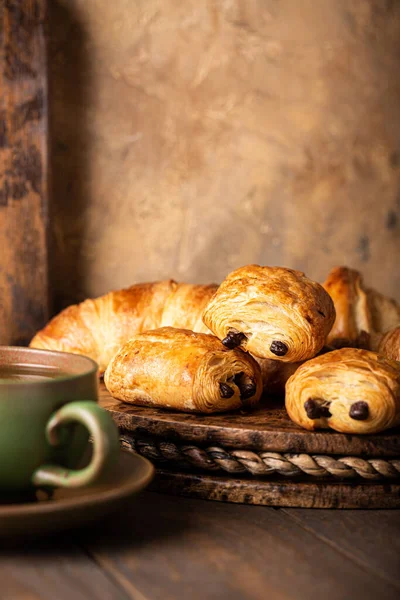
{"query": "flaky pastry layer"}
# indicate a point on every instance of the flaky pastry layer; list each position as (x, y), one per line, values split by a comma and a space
(98, 328)
(271, 312)
(181, 370)
(349, 390)
(362, 313)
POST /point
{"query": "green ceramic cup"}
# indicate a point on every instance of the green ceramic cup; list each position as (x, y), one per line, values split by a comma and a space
(48, 410)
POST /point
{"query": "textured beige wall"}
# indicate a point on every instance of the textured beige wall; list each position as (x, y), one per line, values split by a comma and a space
(191, 137)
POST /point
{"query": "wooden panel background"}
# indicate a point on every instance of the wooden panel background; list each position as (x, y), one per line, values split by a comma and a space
(193, 137)
(23, 170)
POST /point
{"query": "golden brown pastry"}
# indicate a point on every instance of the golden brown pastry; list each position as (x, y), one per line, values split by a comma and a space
(349, 390)
(97, 328)
(182, 370)
(389, 345)
(362, 314)
(345, 287)
(271, 312)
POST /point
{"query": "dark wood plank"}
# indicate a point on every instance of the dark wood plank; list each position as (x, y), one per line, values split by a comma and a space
(54, 569)
(370, 538)
(278, 491)
(267, 427)
(172, 548)
(23, 170)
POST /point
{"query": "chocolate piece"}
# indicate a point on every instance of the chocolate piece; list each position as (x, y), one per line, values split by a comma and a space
(316, 408)
(233, 339)
(246, 385)
(248, 389)
(226, 390)
(359, 411)
(237, 379)
(278, 348)
(312, 409)
(324, 411)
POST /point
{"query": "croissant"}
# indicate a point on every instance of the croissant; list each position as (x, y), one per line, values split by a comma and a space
(389, 345)
(97, 328)
(183, 370)
(271, 312)
(362, 314)
(349, 390)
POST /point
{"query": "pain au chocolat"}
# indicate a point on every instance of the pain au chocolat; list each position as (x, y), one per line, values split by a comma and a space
(271, 312)
(98, 327)
(362, 314)
(182, 370)
(349, 390)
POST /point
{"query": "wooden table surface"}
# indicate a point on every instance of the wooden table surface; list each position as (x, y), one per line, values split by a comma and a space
(164, 547)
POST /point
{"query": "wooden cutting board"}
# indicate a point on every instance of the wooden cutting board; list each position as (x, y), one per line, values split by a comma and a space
(261, 457)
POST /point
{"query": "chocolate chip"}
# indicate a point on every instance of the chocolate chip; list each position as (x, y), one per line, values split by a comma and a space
(359, 411)
(248, 389)
(226, 390)
(316, 408)
(246, 385)
(237, 378)
(324, 411)
(233, 339)
(278, 348)
(312, 409)
(321, 313)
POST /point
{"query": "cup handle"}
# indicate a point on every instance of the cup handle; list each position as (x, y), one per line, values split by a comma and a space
(105, 445)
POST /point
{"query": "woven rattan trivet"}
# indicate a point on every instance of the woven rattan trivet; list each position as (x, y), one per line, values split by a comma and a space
(261, 457)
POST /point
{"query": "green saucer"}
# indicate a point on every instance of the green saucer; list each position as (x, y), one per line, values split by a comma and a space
(42, 513)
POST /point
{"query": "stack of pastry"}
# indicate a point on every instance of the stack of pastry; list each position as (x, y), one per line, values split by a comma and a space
(216, 348)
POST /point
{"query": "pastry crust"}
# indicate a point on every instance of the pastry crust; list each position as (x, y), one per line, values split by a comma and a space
(271, 312)
(349, 390)
(362, 314)
(345, 287)
(97, 328)
(181, 370)
(390, 344)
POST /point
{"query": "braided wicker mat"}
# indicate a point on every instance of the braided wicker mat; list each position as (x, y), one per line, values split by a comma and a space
(261, 457)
